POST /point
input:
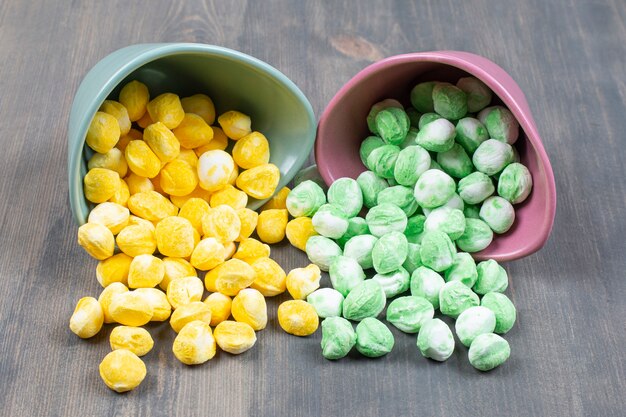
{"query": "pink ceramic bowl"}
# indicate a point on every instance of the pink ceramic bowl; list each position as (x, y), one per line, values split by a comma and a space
(342, 127)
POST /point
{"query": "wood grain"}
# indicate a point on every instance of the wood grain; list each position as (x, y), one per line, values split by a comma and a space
(568, 347)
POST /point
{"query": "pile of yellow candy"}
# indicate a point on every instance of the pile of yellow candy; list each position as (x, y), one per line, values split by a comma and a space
(169, 202)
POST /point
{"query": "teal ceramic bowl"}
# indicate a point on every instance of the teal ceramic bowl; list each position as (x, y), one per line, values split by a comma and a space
(233, 80)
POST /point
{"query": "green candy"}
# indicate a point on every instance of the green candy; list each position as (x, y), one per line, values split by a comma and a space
(368, 145)
(305, 199)
(503, 308)
(436, 136)
(492, 156)
(345, 274)
(413, 258)
(473, 322)
(463, 269)
(367, 299)
(488, 351)
(447, 220)
(360, 249)
(427, 118)
(412, 162)
(392, 125)
(470, 133)
(415, 225)
(409, 313)
(400, 196)
(382, 160)
(422, 96)
(436, 251)
(475, 188)
(514, 183)
(454, 202)
(330, 221)
(435, 340)
(455, 162)
(346, 193)
(373, 338)
(386, 218)
(476, 237)
(390, 252)
(409, 139)
(393, 283)
(414, 116)
(327, 302)
(321, 251)
(500, 123)
(498, 213)
(491, 277)
(309, 173)
(371, 185)
(471, 211)
(456, 297)
(434, 188)
(435, 165)
(427, 283)
(478, 94)
(377, 108)
(392, 182)
(356, 227)
(338, 338)
(449, 101)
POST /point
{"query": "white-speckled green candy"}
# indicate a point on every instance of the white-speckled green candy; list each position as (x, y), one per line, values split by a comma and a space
(327, 302)
(498, 213)
(345, 274)
(346, 193)
(385, 218)
(435, 340)
(330, 221)
(412, 162)
(475, 188)
(449, 101)
(422, 96)
(377, 108)
(305, 199)
(488, 351)
(409, 313)
(436, 136)
(321, 251)
(491, 277)
(368, 145)
(414, 230)
(409, 139)
(400, 196)
(473, 322)
(393, 283)
(456, 297)
(500, 123)
(360, 249)
(446, 220)
(470, 133)
(478, 94)
(427, 283)
(371, 185)
(437, 251)
(392, 125)
(463, 269)
(455, 202)
(382, 160)
(373, 338)
(390, 252)
(427, 118)
(434, 188)
(515, 183)
(338, 338)
(455, 162)
(476, 237)
(503, 308)
(471, 211)
(356, 226)
(492, 156)
(413, 258)
(367, 299)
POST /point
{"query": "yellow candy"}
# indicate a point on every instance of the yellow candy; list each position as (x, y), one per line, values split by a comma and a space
(138, 221)
(135, 96)
(103, 132)
(248, 219)
(110, 215)
(278, 201)
(193, 131)
(299, 230)
(194, 210)
(130, 308)
(161, 308)
(122, 195)
(271, 225)
(166, 109)
(113, 160)
(178, 178)
(215, 169)
(184, 290)
(133, 134)
(197, 193)
(151, 205)
(189, 156)
(219, 142)
(201, 105)
(97, 240)
(122, 370)
(229, 250)
(194, 344)
(233, 176)
(303, 281)
(249, 307)
(137, 239)
(188, 313)
(134, 339)
(141, 160)
(251, 249)
(229, 196)
(235, 125)
(156, 183)
(146, 271)
(113, 270)
(138, 184)
(100, 184)
(229, 278)
(220, 305)
(145, 120)
(297, 317)
(120, 113)
(176, 268)
(222, 223)
(174, 237)
(162, 141)
(270, 277)
(208, 254)
(259, 182)
(234, 337)
(107, 295)
(87, 319)
(251, 151)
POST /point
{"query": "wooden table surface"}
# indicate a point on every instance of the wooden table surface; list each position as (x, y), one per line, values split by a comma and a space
(568, 346)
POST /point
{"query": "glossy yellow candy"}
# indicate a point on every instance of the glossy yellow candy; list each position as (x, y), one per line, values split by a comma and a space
(271, 225)
(130, 308)
(120, 113)
(114, 270)
(141, 160)
(251, 249)
(103, 132)
(184, 290)
(249, 307)
(193, 131)
(122, 370)
(220, 305)
(110, 215)
(113, 160)
(303, 281)
(248, 219)
(259, 182)
(174, 237)
(208, 254)
(151, 205)
(138, 184)
(229, 196)
(176, 268)
(122, 195)
(145, 120)
(146, 271)
(234, 337)
(178, 178)
(222, 223)
(161, 308)
(189, 156)
(135, 339)
(87, 319)
(230, 277)
(162, 142)
(187, 313)
(219, 142)
(100, 184)
(135, 96)
(166, 109)
(235, 125)
(194, 344)
(197, 193)
(97, 240)
(298, 317)
(251, 151)
(137, 239)
(107, 295)
(299, 230)
(278, 201)
(270, 277)
(200, 104)
(194, 210)
(215, 169)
